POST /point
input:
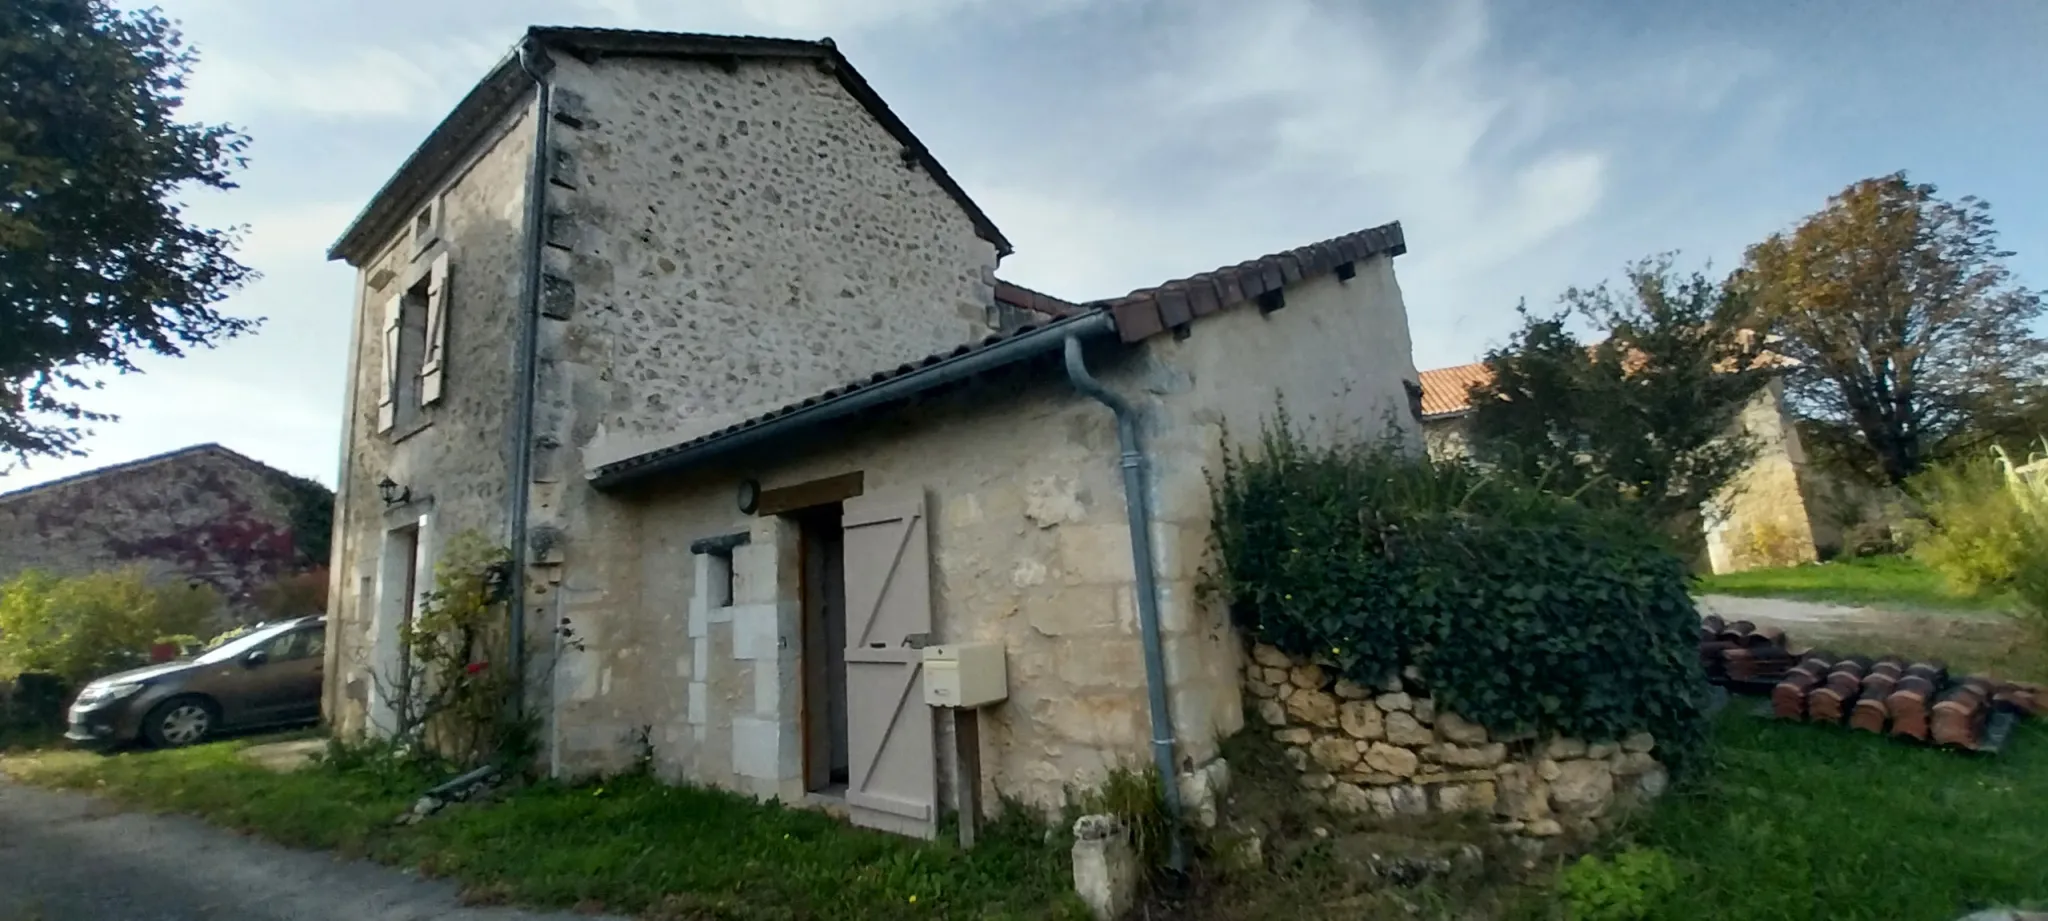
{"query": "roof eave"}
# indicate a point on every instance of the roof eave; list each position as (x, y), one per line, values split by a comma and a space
(410, 184)
(696, 452)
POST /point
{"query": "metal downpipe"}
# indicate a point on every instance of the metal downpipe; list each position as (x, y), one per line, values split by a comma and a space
(1138, 508)
(533, 60)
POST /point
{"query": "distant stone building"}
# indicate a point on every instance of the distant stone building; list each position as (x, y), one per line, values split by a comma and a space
(1769, 515)
(203, 514)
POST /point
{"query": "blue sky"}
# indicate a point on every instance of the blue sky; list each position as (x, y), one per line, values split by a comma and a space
(1527, 146)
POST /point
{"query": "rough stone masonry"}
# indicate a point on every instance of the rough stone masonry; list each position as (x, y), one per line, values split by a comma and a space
(1387, 750)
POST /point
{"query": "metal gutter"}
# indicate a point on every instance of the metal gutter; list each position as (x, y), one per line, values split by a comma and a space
(534, 61)
(1042, 341)
(1138, 511)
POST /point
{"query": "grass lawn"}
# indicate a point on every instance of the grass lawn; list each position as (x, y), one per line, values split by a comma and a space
(1805, 822)
(631, 845)
(1899, 581)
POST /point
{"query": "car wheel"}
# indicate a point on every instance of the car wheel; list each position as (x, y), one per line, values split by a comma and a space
(179, 722)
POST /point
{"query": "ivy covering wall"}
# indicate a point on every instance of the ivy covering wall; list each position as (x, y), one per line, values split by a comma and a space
(1522, 610)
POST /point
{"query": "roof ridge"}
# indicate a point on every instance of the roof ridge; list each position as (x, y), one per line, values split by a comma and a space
(140, 462)
(506, 83)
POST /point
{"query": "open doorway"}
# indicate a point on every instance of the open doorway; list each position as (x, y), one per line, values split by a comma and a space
(399, 589)
(826, 760)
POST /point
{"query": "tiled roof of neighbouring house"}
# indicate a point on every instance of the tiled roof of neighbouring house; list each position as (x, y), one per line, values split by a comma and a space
(141, 462)
(1446, 391)
(1022, 298)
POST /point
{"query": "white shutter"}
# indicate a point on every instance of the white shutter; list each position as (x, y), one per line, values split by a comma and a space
(387, 392)
(437, 331)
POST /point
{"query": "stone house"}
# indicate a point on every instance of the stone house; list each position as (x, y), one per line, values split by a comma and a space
(199, 514)
(1775, 512)
(701, 330)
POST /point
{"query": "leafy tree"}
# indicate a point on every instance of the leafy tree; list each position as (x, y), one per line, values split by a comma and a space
(295, 595)
(82, 627)
(1645, 418)
(312, 514)
(1913, 342)
(97, 262)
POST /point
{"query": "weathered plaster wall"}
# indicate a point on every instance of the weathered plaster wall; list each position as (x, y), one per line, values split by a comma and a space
(457, 465)
(205, 514)
(1029, 549)
(1336, 356)
(1768, 520)
(1445, 437)
(740, 238)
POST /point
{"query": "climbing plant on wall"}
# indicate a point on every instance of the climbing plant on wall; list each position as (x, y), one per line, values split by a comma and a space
(448, 694)
(1523, 610)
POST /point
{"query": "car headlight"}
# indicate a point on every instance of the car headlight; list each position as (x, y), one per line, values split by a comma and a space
(107, 693)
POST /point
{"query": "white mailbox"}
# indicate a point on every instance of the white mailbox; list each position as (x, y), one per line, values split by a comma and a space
(965, 675)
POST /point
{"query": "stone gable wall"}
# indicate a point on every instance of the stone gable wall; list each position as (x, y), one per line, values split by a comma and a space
(206, 515)
(734, 240)
(1389, 751)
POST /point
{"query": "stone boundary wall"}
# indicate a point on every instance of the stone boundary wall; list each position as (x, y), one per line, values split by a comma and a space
(1387, 750)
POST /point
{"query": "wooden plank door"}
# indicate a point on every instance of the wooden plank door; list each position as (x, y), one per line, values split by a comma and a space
(892, 783)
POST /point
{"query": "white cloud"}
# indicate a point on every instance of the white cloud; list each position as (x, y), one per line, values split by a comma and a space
(1505, 173)
(175, 406)
(416, 78)
(296, 235)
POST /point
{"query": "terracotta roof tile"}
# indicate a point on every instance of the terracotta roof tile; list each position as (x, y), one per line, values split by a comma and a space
(1150, 311)
(1038, 302)
(1446, 391)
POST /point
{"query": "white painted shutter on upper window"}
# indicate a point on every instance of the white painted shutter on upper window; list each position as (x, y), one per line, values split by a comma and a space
(387, 386)
(437, 331)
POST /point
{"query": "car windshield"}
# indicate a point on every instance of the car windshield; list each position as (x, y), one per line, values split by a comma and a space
(241, 644)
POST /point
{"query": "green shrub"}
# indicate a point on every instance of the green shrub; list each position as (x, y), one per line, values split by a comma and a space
(1625, 889)
(82, 627)
(2027, 485)
(1524, 610)
(1975, 542)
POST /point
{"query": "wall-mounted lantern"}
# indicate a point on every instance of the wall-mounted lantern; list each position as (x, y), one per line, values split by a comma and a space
(393, 493)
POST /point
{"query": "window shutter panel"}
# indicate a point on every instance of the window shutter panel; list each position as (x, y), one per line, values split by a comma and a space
(387, 393)
(437, 331)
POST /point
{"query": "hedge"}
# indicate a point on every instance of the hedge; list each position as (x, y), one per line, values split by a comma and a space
(1523, 611)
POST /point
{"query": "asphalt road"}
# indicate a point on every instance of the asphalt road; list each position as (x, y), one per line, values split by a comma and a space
(69, 857)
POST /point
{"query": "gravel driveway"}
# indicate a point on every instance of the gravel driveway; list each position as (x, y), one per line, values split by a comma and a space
(69, 857)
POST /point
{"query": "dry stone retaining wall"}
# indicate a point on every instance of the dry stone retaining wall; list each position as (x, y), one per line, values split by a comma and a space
(1387, 750)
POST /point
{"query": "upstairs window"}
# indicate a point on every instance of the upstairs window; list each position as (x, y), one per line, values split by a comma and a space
(414, 341)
